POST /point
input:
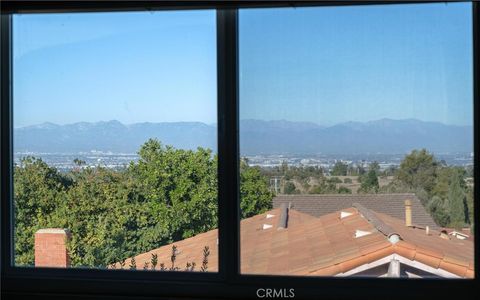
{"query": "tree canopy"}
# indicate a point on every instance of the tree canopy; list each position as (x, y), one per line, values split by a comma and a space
(441, 188)
(167, 195)
(419, 170)
(339, 169)
(369, 182)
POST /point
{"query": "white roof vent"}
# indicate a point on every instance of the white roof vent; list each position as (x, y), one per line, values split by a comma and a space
(459, 235)
(267, 226)
(270, 216)
(344, 214)
(394, 238)
(360, 233)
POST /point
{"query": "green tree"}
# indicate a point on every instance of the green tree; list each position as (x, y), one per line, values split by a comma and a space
(79, 162)
(369, 183)
(168, 195)
(375, 166)
(103, 215)
(442, 189)
(284, 168)
(38, 189)
(469, 171)
(450, 185)
(324, 187)
(339, 169)
(438, 210)
(344, 190)
(445, 175)
(179, 188)
(255, 194)
(456, 203)
(390, 171)
(418, 170)
(470, 200)
(289, 188)
(355, 170)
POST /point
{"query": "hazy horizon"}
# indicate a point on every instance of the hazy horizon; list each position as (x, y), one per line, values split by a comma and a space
(246, 119)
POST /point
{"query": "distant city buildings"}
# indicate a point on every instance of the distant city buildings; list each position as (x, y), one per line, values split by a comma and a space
(326, 162)
(65, 161)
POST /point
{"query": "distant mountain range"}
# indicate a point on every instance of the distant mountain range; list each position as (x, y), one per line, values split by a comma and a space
(385, 136)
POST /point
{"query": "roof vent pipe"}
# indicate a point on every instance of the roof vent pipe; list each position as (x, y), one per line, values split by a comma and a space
(394, 238)
(408, 213)
(282, 223)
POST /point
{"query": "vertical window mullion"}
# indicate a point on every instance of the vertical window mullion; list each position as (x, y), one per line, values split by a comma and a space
(6, 141)
(228, 142)
(476, 114)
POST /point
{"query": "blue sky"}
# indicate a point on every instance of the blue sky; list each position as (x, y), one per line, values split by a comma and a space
(132, 67)
(324, 65)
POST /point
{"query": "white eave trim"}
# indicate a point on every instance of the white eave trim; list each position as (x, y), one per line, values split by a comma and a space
(403, 260)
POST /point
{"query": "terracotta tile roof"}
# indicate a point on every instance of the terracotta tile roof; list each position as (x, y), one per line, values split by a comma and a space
(390, 204)
(374, 220)
(453, 255)
(323, 246)
(465, 231)
(188, 250)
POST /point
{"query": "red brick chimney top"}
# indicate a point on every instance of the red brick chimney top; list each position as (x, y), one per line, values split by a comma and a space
(51, 248)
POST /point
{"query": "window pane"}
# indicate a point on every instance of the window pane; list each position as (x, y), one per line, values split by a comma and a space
(356, 141)
(115, 140)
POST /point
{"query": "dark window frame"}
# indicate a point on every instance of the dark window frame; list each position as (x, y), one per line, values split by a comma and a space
(228, 282)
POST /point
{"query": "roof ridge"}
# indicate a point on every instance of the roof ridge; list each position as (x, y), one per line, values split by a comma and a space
(375, 221)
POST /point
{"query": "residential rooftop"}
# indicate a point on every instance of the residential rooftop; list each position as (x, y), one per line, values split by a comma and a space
(355, 241)
(389, 204)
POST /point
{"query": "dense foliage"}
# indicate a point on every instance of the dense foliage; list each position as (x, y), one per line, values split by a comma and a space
(255, 194)
(442, 189)
(340, 169)
(369, 182)
(290, 188)
(168, 195)
(445, 191)
(306, 179)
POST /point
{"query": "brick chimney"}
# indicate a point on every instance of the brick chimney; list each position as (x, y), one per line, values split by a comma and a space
(408, 213)
(51, 248)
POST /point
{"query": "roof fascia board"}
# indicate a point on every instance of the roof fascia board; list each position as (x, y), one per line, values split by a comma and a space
(403, 260)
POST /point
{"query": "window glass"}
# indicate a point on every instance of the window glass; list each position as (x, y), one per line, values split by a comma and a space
(115, 140)
(356, 124)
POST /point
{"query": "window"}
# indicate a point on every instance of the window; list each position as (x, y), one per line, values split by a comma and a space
(115, 142)
(360, 120)
(253, 94)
